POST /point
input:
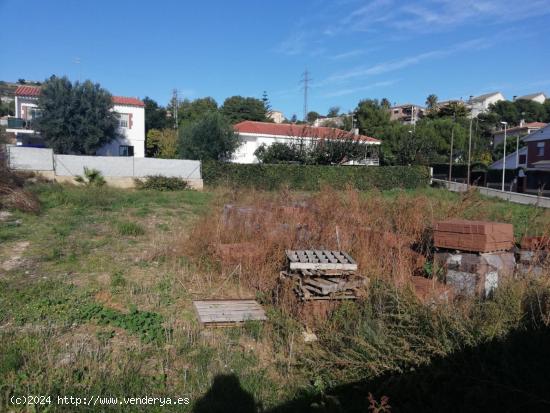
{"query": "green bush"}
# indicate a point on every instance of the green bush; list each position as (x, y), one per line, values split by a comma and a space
(91, 177)
(128, 228)
(312, 177)
(162, 183)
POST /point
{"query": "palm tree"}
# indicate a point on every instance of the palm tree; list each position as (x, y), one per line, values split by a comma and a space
(431, 101)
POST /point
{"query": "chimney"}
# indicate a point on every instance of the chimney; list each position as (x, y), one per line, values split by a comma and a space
(356, 131)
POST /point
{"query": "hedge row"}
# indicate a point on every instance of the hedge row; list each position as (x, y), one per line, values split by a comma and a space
(312, 177)
(459, 170)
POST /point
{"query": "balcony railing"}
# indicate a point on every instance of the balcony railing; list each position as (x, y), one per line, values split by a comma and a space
(18, 123)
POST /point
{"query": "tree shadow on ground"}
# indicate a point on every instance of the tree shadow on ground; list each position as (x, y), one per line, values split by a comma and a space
(226, 394)
(507, 375)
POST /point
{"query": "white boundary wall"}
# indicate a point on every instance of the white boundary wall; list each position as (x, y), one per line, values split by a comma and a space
(118, 171)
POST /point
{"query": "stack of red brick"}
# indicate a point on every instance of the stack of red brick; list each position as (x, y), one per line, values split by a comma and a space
(473, 256)
(475, 236)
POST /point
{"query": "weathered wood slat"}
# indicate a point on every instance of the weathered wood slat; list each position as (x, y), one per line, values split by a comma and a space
(331, 257)
(321, 256)
(322, 266)
(228, 311)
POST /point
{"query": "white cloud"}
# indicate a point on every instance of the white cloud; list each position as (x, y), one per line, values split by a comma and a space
(392, 65)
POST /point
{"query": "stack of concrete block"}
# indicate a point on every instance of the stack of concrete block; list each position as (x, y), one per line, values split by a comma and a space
(472, 274)
(473, 257)
(534, 256)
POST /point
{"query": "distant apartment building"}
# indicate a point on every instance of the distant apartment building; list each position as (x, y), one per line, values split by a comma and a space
(332, 122)
(524, 128)
(276, 116)
(538, 97)
(131, 118)
(407, 114)
(480, 104)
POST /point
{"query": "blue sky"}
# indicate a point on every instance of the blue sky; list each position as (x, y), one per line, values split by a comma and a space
(402, 50)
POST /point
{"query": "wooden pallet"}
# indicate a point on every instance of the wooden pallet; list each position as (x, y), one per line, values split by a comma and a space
(228, 312)
(320, 260)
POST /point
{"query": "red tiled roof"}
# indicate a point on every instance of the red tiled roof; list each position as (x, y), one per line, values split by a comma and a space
(304, 131)
(535, 125)
(117, 100)
(526, 125)
(121, 100)
(27, 91)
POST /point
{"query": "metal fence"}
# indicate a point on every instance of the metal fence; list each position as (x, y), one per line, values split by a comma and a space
(515, 197)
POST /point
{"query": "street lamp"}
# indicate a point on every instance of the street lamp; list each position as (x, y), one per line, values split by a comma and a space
(504, 155)
(470, 150)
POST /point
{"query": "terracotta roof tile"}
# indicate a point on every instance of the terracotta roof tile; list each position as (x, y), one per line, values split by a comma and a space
(117, 100)
(121, 100)
(27, 91)
(304, 131)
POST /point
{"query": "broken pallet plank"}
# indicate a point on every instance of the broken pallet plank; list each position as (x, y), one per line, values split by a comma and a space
(228, 311)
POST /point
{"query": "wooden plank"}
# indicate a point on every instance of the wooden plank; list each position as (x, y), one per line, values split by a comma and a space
(330, 256)
(325, 286)
(228, 311)
(291, 255)
(321, 256)
(322, 266)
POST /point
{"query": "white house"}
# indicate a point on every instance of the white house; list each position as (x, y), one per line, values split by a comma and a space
(254, 134)
(131, 124)
(480, 104)
(524, 128)
(131, 113)
(535, 97)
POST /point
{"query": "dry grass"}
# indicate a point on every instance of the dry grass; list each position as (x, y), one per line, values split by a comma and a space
(12, 194)
(389, 237)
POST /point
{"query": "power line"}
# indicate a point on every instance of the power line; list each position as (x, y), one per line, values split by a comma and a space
(305, 80)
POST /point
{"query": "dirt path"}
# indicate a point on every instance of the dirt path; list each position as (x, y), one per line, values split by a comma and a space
(15, 259)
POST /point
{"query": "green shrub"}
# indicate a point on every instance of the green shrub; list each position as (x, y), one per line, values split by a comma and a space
(128, 228)
(162, 183)
(92, 177)
(312, 177)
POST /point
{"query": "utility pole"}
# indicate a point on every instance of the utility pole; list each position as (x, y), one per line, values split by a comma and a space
(175, 108)
(452, 144)
(305, 80)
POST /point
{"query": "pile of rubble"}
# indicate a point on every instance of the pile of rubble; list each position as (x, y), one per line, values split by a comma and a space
(534, 256)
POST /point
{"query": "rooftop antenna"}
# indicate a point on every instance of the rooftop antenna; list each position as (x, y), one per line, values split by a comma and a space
(305, 80)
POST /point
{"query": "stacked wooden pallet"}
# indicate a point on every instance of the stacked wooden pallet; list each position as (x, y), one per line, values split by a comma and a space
(323, 274)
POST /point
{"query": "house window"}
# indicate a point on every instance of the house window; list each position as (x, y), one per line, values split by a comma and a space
(522, 159)
(540, 148)
(125, 150)
(123, 120)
